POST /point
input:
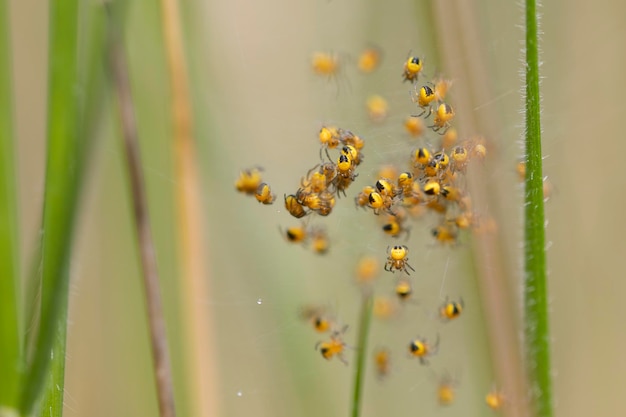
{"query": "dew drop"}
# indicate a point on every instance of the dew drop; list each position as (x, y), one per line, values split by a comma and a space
(259, 301)
(239, 394)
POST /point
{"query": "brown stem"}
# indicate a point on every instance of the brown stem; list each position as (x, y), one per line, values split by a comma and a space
(160, 353)
(193, 281)
(463, 54)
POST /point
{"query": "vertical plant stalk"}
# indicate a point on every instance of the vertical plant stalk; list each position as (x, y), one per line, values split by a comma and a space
(462, 52)
(365, 320)
(89, 110)
(52, 401)
(90, 77)
(192, 248)
(59, 213)
(158, 337)
(535, 286)
(10, 348)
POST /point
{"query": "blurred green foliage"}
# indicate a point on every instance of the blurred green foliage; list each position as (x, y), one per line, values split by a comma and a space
(257, 104)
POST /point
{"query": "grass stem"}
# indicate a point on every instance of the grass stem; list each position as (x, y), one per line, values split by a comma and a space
(463, 52)
(10, 348)
(52, 401)
(535, 285)
(158, 337)
(365, 320)
(200, 365)
(60, 201)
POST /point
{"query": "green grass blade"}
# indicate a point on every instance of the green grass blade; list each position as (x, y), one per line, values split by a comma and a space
(52, 402)
(10, 355)
(535, 286)
(63, 154)
(365, 319)
(92, 81)
(91, 76)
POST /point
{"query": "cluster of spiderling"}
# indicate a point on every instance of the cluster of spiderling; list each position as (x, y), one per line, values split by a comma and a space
(433, 180)
(318, 189)
(323, 184)
(434, 177)
(250, 182)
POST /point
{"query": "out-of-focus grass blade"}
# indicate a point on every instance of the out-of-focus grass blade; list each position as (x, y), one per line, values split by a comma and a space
(59, 214)
(91, 79)
(10, 351)
(52, 402)
(91, 99)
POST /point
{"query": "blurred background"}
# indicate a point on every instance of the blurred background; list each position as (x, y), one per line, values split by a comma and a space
(257, 103)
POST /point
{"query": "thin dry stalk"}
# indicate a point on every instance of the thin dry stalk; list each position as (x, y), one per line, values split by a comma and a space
(192, 248)
(460, 42)
(160, 353)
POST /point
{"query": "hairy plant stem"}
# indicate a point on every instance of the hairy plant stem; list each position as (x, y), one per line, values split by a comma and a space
(535, 285)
